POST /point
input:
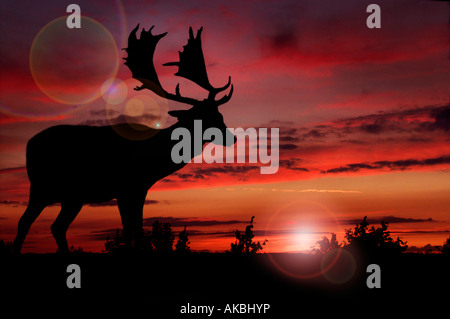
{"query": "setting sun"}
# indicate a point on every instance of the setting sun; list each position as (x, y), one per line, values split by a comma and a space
(305, 239)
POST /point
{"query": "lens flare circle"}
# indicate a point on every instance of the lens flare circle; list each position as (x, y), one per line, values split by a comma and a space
(71, 65)
(338, 266)
(135, 106)
(138, 117)
(305, 239)
(114, 91)
(305, 216)
(122, 17)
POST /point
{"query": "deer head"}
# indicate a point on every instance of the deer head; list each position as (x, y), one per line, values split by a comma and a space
(191, 66)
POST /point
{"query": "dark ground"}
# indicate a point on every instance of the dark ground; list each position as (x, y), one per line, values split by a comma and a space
(157, 286)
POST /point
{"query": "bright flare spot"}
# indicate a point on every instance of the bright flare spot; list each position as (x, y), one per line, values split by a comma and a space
(144, 113)
(134, 107)
(305, 240)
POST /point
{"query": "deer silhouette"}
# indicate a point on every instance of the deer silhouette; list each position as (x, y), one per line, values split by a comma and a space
(75, 164)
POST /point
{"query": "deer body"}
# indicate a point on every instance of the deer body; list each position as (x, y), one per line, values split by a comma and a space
(94, 164)
(77, 165)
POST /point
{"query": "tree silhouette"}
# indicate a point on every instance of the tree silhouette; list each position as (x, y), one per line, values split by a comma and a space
(326, 245)
(117, 244)
(183, 241)
(76, 250)
(159, 240)
(446, 247)
(162, 237)
(6, 247)
(374, 240)
(244, 241)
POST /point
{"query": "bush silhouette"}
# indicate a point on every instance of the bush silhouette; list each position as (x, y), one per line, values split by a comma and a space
(6, 247)
(76, 250)
(117, 243)
(326, 245)
(183, 241)
(374, 241)
(160, 240)
(113, 245)
(162, 237)
(244, 241)
(446, 247)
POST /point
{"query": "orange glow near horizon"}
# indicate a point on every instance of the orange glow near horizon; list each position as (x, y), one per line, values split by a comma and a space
(290, 218)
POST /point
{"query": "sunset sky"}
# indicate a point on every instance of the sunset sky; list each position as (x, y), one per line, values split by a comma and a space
(363, 114)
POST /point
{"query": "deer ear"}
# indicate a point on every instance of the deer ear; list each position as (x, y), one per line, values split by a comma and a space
(179, 114)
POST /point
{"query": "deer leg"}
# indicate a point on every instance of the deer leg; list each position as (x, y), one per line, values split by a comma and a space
(29, 216)
(59, 228)
(127, 234)
(131, 211)
(138, 224)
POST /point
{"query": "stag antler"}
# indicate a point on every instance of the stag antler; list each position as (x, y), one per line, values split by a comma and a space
(191, 66)
(140, 62)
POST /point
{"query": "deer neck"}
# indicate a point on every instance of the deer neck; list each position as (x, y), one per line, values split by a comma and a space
(185, 134)
(190, 133)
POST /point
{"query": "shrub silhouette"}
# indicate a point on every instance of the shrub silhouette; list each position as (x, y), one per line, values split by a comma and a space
(326, 245)
(244, 241)
(6, 247)
(160, 240)
(117, 243)
(76, 250)
(446, 247)
(183, 241)
(374, 241)
(162, 237)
